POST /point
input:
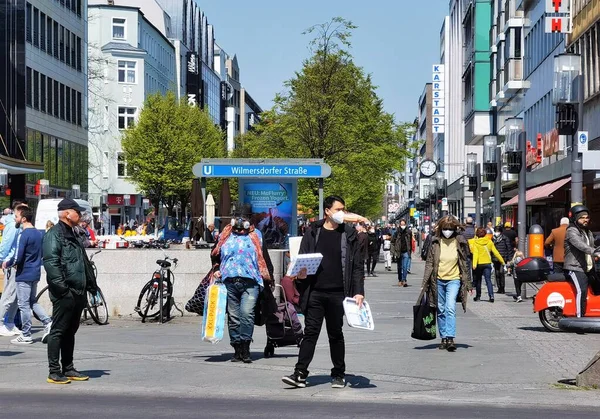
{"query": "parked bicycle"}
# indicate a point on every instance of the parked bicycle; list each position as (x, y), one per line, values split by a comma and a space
(156, 298)
(95, 307)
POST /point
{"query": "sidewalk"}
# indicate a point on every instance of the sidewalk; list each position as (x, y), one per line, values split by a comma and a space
(504, 357)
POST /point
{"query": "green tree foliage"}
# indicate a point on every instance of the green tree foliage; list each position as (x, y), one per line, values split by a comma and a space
(161, 149)
(330, 110)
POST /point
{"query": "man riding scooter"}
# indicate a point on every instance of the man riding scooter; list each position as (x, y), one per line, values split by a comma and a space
(579, 248)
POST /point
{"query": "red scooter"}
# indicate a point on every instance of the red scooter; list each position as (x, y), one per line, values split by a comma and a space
(556, 299)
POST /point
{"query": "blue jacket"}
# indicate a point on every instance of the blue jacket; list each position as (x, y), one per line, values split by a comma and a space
(9, 238)
(28, 258)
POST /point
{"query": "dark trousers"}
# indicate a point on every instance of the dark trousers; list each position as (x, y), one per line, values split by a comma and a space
(372, 262)
(66, 314)
(483, 271)
(558, 267)
(500, 279)
(328, 306)
(581, 281)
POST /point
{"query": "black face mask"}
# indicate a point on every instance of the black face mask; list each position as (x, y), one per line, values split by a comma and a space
(17, 225)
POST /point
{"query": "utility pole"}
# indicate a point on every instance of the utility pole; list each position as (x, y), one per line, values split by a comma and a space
(498, 190)
(576, 164)
(522, 209)
(477, 195)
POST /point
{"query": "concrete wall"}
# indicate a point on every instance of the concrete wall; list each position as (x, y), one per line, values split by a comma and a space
(122, 274)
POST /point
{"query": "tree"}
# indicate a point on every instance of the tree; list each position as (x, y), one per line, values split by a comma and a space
(330, 110)
(161, 149)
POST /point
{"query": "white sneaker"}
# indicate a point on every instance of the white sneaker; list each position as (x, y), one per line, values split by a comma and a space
(22, 340)
(15, 331)
(4, 331)
(46, 332)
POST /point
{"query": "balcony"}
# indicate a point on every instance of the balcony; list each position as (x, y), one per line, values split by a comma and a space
(467, 6)
(513, 18)
(513, 74)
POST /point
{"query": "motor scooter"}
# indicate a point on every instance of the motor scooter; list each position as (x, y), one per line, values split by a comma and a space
(556, 299)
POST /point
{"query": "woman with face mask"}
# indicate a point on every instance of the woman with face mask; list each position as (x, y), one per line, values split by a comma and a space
(446, 276)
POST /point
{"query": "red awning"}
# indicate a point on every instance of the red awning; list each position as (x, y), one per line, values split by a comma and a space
(539, 192)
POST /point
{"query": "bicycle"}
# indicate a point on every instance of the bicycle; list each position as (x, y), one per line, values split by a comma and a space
(95, 305)
(157, 294)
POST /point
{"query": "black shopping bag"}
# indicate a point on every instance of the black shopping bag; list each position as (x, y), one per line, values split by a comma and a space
(424, 326)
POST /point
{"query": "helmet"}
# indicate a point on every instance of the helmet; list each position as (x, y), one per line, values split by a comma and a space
(577, 209)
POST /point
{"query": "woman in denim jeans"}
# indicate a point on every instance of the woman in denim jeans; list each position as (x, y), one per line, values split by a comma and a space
(239, 260)
(482, 249)
(447, 277)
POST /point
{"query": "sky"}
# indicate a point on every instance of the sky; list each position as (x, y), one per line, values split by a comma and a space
(397, 42)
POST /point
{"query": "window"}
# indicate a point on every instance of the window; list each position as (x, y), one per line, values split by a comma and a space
(74, 114)
(105, 165)
(68, 47)
(73, 51)
(36, 27)
(49, 35)
(126, 117)
(28, 86)
(127, 71)
(50, 97)
(118, 28)
(36, 90)
(28, 22)
(67, 103)
(79, 108)
(62, 101)
(78, 54)
(43, 31)
(62, 44)
(121, 165)
(55, 40)
(42, 93)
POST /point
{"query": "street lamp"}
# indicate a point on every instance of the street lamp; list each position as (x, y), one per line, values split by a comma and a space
(516, 155)
(104, 221)
(75, 192)
(568, 91)
(474, 174)
(490, 165)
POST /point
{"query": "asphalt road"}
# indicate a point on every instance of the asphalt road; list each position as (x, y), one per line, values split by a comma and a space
(65, 405)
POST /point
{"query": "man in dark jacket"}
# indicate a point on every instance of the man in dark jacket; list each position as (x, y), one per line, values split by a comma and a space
(374, 244)
(340, 275)
(505, 249)
(469, 232)
(64, 261)
(363, 241)
(403, 245)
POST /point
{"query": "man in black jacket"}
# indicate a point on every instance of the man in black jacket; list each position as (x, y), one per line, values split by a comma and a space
(505, 249)
(64, 262)
(340, 275)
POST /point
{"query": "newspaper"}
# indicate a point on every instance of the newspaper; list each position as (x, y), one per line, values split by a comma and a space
(310, 261)
(358, 317)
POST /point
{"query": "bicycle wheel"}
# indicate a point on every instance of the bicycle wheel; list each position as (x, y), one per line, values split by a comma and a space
(148, 302)
(43, 298)
(96, 306)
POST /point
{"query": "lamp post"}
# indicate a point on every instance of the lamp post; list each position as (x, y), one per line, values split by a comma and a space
(439, 180)
(516, 150)
(491, 170)
(568, 91)
(474, 174)
(104, 213)
(75, 191)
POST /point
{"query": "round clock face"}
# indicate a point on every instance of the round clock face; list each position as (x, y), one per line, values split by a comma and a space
(428, 168)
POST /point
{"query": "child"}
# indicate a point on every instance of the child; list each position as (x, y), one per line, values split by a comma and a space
(518, 257)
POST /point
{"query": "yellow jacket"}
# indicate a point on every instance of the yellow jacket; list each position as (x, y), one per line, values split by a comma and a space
(482, 249)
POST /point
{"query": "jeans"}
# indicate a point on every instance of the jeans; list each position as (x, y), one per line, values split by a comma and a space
(8, 302)
(409, 265)
(483, 271)
(403, 263)
(328, 306)
(387, 258)
(446, 307)
(26, 292)
(242, 295)
(66, 314)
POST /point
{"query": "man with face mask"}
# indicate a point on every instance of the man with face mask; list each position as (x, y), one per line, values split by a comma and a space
(579, 250)
(64, 262)
(504, 247)
(340, 275)
(403, 245)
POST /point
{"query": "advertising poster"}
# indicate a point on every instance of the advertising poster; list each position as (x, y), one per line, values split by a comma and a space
(272, 210)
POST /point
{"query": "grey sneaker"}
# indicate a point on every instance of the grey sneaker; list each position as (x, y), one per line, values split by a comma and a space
(22, 340)
(294, 380)
(46, 332)
(338, 382)
(55, 378)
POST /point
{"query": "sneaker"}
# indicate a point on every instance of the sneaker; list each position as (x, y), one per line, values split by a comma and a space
(491, 299)
(56, 378)
(294, 380)
(519, 299)
(16, 331)
(76, 375)
(338, 382)
(46, 332)
(373, 275)
(22, 340)
(4, 331)
(451, 346)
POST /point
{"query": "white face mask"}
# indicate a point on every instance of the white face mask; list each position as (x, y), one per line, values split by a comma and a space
(497, 233)
(338, 217)
(403, 227)
(447, 233)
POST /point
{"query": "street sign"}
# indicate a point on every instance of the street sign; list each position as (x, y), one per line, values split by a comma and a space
(417, 214)
(230, 168)
(582, 141)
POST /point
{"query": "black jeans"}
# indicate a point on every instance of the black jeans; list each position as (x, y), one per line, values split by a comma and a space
(328, 306)
(558, 267)
(581, 281)
(372, 261)
(500, 279)
(66, 313)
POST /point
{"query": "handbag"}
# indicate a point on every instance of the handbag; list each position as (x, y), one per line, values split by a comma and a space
(196, 303)
(424, 323)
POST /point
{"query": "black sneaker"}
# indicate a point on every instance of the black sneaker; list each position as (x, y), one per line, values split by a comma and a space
(56, 378)
(338, 382)
(76, 375)
(294, 380)
(451, 347)
(491, 299)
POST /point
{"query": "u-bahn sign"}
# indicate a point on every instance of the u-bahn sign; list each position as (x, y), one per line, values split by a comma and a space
(262, 168)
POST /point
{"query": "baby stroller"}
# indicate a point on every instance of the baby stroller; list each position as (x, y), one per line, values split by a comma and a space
(283, 327)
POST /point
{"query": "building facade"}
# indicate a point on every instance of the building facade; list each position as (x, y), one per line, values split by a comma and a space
(133, 59)
(44, 96)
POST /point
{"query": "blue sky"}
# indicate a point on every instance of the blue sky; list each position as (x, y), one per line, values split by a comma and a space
(397, 41)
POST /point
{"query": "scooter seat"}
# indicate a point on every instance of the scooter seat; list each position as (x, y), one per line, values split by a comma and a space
(559, 277)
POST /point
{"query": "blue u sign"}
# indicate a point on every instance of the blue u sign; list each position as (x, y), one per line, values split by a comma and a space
(582, 138)
(207, 170)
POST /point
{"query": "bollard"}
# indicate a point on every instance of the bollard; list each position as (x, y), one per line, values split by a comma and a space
(536, 241)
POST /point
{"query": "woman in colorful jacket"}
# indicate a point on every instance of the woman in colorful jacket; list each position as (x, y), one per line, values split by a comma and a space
(482, 249)
(241, 264)
(447, 277)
